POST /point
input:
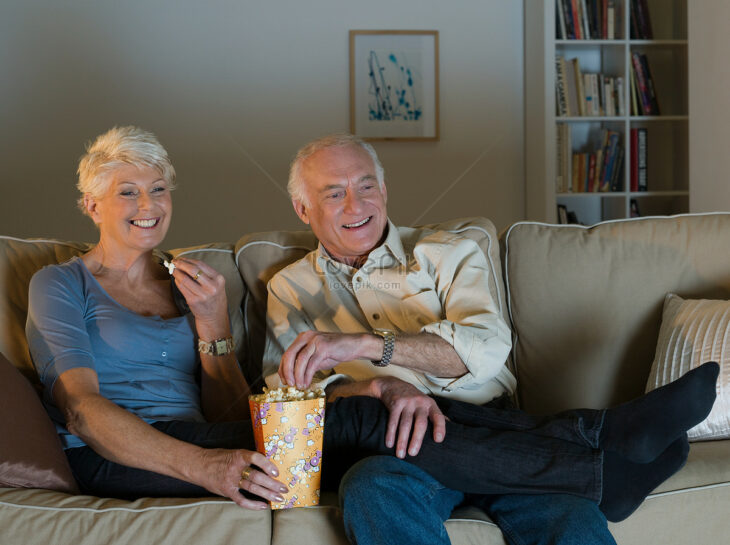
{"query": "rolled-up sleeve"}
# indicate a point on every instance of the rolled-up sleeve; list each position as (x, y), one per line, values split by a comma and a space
(471, 321)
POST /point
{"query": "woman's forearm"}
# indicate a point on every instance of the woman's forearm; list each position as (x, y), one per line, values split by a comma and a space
(119, 436)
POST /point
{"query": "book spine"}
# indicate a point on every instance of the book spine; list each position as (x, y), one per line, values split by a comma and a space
(560, 21)
(643, 91)
(635, 103)
(584, 18)
(620, 96)
(604, 19)
(576, 20)
(597, 173)
(610, 162)
(634, 162)
(649, 84)
(591, 172)
(575, 177)
(635, 30)
(568, 150)
(560, 86)
(611, 20)
(568, 16)
(642, 156)
(644, 20)
(580, 92)
(618, 167)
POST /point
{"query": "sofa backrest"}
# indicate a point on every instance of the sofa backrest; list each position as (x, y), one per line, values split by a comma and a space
(21, 258)
(586, 302)
(261, 255)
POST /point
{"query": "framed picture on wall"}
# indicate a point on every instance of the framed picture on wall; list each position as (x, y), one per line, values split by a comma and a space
(394, 84)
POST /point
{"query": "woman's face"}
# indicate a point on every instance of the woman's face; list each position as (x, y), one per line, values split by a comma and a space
(135, 211)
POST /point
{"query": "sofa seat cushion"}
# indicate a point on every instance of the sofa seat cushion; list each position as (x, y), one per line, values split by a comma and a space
(586, 302)
(708, 465)
(323, 525)
(41, 517)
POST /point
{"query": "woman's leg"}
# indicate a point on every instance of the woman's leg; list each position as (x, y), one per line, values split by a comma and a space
(100, 477)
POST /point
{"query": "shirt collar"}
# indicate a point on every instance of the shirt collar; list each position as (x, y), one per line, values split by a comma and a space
(392, 244)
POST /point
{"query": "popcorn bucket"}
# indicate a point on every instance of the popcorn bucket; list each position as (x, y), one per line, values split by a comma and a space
(290, 433)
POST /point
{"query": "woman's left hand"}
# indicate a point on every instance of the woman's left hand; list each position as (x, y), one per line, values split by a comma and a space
(204, 289)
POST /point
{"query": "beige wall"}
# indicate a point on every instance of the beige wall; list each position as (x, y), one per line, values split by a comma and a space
(232, 88)
(709, 105)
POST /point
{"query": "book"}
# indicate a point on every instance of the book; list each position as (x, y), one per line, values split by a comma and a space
(610, 16)
(635, 108)
(572, 91)
(576, 19)
(591, 173)
(580, 92)
(634, 166)
(617, 170)
(641, 84)
(562, 214)
(560, 31)
(650, 84)
(610, 160)
(642, 138)
(561, 96)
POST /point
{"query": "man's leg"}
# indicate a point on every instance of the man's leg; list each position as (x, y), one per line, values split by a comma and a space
(547, 519)
(386, 500)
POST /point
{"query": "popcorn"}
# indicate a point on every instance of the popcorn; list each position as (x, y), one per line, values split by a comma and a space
(289, 393)
(169, 266)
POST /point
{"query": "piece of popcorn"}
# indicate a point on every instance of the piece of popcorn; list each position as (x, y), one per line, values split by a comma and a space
(290, 393)
(169, 265)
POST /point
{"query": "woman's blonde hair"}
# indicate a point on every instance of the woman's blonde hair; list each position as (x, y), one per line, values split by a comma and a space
(115, 148)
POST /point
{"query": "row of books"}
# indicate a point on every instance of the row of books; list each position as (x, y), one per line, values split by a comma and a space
(586, 19)
(643, 91)
(579, 94)
(600, 170)
(592, 171)
(640, 22)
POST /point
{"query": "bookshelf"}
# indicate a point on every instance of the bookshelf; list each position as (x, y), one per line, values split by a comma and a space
(667, 156)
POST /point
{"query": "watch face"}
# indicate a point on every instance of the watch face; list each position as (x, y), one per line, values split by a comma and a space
(220, 347)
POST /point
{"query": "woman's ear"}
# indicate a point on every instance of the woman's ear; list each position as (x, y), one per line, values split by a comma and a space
(91, 207)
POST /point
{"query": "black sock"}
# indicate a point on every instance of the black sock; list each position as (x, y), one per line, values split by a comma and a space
(641, 429)
(627, 484)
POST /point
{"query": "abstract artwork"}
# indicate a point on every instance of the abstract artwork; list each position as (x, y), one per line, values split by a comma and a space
(394, 84)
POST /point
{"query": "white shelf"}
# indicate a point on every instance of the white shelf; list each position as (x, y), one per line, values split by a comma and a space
(668, 155)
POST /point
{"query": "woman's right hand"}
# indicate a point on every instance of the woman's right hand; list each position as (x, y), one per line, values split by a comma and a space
(221, 473)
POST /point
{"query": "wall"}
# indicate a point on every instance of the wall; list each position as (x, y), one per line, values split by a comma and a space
(232, 89)
(709, 105)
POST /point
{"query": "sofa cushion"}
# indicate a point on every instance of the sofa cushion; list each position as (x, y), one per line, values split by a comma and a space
(41, 517)
(19, 261)
(694, 331)
(261, 255)
(30, 451)
(586, 302)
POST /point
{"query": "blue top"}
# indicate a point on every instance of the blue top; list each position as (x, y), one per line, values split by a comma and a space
(145, 364)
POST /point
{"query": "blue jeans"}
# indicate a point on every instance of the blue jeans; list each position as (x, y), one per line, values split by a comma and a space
(386, 500)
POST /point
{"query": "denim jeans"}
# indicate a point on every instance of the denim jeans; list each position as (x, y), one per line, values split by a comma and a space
(486, 451)
(386, 500)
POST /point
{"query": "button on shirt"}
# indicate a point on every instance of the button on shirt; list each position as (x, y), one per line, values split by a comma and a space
(439, 285)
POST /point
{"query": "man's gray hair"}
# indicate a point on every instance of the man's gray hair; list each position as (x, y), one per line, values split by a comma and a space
(116, 148)
(296, 180)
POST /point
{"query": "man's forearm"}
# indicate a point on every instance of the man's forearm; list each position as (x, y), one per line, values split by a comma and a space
(423, 352)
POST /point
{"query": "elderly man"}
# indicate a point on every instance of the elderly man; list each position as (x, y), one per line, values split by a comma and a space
(412, 324)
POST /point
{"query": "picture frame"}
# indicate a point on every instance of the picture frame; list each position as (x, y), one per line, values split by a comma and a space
(394, 84)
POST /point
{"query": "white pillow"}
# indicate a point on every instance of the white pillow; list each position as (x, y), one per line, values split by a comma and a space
(694, 331)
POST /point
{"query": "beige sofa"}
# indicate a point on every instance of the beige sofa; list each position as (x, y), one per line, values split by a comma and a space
(585, 306)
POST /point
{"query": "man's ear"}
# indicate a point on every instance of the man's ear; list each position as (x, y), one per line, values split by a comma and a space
(91, 205)
(384, 191)
(301, 210)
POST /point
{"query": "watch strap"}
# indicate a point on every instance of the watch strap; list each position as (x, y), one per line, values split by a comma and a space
(388, 347)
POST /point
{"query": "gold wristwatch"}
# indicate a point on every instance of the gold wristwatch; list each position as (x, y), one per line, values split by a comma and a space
(218, 347)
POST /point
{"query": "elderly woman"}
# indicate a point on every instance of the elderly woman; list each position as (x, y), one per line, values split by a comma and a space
(141, 412)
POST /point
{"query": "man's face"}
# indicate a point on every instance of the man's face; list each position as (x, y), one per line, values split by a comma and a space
(345, 206)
